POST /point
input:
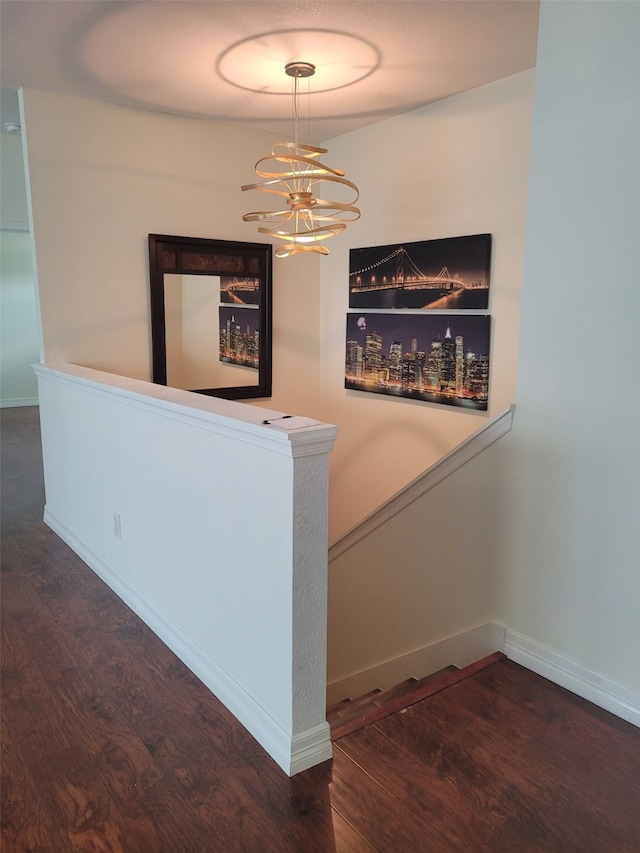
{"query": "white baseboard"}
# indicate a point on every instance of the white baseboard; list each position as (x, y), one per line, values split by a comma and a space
(310, 748)
(17, 402)
(472, 645)
(293, 753)
(19, 226)
(579, 679)
(460, 650)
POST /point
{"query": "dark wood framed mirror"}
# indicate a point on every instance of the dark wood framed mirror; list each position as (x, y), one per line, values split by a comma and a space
(211, 315)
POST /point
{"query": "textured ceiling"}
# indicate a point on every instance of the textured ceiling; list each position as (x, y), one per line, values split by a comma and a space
(225, 60)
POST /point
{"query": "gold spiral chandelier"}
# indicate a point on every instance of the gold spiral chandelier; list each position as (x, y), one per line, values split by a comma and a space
(294, 173)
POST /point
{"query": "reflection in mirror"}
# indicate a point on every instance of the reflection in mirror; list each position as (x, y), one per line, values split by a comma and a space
(211, 333)
(208, 345)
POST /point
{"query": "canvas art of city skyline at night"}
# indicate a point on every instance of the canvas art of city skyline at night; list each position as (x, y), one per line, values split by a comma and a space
(451, 273)
(441, 358)
(240, 336)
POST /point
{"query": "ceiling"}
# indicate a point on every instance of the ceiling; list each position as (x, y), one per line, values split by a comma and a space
(224, 60)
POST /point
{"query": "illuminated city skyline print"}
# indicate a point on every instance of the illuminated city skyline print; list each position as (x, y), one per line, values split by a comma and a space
(448, 274)
(240, 336)
(441, 358)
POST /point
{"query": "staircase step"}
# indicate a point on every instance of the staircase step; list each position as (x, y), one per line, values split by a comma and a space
(352, 709)
(346, 706)
(409, 687)
(381, 704)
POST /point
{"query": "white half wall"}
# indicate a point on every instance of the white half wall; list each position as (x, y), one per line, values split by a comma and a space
(212, 527)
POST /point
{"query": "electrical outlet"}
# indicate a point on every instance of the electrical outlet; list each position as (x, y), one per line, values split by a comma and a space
(116, 525)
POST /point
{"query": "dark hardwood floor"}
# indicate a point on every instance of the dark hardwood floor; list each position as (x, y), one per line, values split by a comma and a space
(110, 744)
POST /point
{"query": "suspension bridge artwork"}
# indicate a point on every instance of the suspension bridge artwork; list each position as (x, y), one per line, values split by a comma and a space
(239, 290)
(433, 358)
(450, 273)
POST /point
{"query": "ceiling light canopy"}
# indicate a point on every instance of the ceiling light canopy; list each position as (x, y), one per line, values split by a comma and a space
(294, 173)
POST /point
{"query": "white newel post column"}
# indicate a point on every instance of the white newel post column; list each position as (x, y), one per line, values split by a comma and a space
(311, 733)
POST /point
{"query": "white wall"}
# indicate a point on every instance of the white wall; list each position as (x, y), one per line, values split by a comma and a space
(13, 193)
(20, 332)
(570, 543)
(102, 178)
(296, 334)
(423, 576)
(456, 167)
(19, 338)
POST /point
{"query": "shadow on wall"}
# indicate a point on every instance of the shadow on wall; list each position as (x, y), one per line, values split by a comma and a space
(409, 445)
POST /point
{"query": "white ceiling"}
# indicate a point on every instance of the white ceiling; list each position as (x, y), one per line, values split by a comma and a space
(225, 60)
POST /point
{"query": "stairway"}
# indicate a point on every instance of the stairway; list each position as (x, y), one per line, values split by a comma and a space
(349, 715)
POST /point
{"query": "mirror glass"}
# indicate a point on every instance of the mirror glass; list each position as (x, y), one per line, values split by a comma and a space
(211, 315)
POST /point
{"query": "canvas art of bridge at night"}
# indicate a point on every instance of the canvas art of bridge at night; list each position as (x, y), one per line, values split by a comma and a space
(451, 273)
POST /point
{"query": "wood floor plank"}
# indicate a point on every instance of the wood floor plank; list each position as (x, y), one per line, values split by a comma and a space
(25, 623)
(386, 823)
(90, 815)
(517, 813)
(214, 763)
(345, 838)
(103, 732)
(529, 803)
(303, 805)
(553, 704)
(175, 826)
(27, 820)
(594, 758)
(462, 822)
(35, 730)
(20, 551)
